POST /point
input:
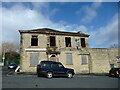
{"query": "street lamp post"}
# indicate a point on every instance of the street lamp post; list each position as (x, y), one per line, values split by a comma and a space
(3, 58)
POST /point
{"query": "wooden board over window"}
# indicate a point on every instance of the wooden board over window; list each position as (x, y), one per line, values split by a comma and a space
(84, 59)
(34, 59)
(69, 59)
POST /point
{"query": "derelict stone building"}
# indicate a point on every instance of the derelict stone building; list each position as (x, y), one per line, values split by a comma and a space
(71, 49)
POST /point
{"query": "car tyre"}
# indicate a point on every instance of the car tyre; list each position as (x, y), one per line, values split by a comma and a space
(49, 75)
(69, 75)
(110, 75)
(118, 76)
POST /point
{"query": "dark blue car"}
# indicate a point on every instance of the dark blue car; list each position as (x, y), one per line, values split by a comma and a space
(51, 68)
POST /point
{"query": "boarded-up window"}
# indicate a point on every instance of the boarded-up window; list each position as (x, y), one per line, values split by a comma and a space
(34, 40)
(52, 41)
(69, 59)
(34, 59)
(84, 59)
(83, 42)
(68, 41)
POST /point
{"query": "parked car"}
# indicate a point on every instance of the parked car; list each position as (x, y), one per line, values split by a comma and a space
(114, 72)
(51, 68)
(12, 66)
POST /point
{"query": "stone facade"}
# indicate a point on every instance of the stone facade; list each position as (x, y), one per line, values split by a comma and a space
(71, 49)
(102, 59)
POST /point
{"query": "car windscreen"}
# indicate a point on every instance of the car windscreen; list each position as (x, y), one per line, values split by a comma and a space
(12, 64)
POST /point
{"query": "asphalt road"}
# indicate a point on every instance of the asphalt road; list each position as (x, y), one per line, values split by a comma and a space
(78, 81)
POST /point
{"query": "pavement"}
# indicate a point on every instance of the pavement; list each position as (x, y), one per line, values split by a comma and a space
(33, 74)
(11, 72)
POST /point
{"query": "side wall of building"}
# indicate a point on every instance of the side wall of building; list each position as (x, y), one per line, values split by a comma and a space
(102, 58)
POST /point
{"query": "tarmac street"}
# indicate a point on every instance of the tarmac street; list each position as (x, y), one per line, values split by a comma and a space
(76, 82)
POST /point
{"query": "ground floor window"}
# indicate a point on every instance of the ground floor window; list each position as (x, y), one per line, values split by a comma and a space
(69, 59)
(84, 59)
(34, 59)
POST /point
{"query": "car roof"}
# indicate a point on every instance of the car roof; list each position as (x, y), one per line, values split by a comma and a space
(12, 63)
(115, 68)
(49, 62)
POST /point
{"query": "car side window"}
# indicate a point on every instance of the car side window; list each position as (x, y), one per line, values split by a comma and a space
(57, 66)
(54, 66)
(45, 65)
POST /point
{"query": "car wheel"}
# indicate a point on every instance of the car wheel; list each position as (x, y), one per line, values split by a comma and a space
(69, 75)
(109, 75)
(49, 74)
(118, 76)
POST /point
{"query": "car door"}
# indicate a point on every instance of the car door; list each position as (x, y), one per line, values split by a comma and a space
(58, 70)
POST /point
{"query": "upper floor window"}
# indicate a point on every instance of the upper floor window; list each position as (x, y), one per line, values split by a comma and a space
(83, 42)
(34, 40)
(68, 41)
(52, 41)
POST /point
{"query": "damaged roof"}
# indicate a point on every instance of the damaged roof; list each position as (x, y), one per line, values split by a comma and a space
(53, 32)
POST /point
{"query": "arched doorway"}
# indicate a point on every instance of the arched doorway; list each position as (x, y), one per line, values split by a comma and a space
(53, 57)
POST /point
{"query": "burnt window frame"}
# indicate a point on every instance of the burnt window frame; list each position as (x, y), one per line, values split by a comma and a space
(34, 39)
(69, 42)
(83, 42)
(52, 44)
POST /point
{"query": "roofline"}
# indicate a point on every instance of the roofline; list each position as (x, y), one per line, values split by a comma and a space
(57, 32)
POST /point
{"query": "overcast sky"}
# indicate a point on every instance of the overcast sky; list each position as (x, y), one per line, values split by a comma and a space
(98, 19)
